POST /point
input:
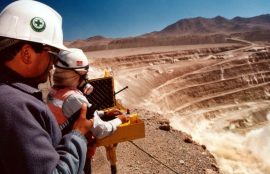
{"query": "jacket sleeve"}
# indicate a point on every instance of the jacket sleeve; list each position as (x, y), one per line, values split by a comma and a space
(72, 150)
(31, 142)
(73, 103)
(102, 128)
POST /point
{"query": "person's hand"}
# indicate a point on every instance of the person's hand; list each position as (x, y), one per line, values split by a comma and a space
(82, 124)
(123, 118)
(112, 112)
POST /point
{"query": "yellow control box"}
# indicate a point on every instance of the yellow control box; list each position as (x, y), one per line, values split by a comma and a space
(103, 98)
(131, 130)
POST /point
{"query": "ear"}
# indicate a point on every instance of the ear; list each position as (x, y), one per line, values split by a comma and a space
(26, 54)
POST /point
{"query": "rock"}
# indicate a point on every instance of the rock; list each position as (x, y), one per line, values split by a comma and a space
(164, 121)
(165, 127)
(215, 167)
(164, 124)
(203, 146)
(188, 140)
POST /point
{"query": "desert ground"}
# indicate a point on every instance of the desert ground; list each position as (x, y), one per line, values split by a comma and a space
(213, 100)
(218, 94)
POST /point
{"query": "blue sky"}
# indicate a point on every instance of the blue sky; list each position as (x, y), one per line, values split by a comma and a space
(124, 18)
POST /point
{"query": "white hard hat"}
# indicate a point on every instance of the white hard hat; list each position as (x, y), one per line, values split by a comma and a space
(74, 59)
(32, 21)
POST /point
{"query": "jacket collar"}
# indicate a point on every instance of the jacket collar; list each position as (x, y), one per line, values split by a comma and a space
(14, 80)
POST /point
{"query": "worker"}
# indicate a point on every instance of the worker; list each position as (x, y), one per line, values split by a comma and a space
(30, 139)
(69, 92)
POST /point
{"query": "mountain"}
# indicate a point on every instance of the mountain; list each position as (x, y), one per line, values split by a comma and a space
(262, 19)
(218, 24)
(91, 43)
(197, 30)
(198, 25)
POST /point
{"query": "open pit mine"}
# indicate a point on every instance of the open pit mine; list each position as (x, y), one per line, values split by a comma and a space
(219, 94)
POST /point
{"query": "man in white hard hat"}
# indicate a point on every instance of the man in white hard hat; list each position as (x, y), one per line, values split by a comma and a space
(68, 94)
(30, 139)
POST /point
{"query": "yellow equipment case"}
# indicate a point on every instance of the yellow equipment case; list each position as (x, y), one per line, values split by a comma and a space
(103, 98)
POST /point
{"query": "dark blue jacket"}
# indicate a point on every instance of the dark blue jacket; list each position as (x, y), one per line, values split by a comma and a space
(30, 139)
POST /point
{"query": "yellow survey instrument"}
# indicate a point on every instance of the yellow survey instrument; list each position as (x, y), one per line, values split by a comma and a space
(103, 98)
(131, 130)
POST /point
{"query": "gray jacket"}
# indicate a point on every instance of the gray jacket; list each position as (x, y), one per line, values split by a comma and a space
(30, 139)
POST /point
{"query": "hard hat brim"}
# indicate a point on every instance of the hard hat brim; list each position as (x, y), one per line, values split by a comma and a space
(60, 47)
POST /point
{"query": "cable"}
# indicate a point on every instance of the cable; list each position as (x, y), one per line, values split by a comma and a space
(153, 157)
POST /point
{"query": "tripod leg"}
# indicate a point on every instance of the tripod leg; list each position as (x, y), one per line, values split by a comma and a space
(111, 156)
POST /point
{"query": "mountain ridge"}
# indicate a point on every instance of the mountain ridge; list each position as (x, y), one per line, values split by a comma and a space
(198, 30)
(199, 25)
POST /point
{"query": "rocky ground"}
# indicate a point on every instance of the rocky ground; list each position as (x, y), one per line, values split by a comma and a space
(163, 150)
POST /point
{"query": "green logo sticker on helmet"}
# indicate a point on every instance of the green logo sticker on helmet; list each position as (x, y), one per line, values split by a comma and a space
(38, 24)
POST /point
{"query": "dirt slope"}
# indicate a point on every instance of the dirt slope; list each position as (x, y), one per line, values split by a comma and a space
(161, 151)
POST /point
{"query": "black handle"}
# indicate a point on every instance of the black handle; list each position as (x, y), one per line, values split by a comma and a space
(67, 125)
